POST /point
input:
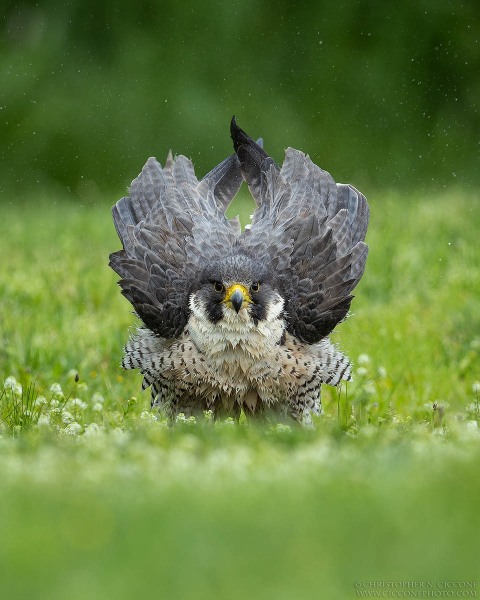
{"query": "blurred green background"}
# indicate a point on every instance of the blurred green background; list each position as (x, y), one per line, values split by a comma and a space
(381, 94)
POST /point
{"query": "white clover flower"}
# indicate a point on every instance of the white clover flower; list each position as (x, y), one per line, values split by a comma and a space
(77, 403)
(180, 418)
(97, 407)
(56, 390)
(281, 428)
(363, 359)
(40, 401)
(13, 386)
(43, 421)
(115, 417)
(146, 415)
(476, 387)
(382, 372)
(10, 383)
(208, 415)
(473, 407)
(67, 417)
(362, 371)
(97, 398)
(82, 386)
(73, 428)
(73, 374)
(92, 430)
(54, 403)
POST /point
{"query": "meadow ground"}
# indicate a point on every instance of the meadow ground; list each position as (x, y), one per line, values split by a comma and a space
(100, 499)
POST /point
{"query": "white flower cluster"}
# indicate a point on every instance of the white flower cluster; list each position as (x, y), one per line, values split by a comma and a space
(56, 411)
(11, 384)
(57, 391)
(89, 417)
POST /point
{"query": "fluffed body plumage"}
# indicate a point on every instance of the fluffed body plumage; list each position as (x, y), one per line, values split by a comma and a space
(238, 319)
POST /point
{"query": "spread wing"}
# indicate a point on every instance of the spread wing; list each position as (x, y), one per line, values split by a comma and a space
(309, 231)
(171, 225)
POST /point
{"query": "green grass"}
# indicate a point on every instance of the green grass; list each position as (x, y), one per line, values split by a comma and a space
(100, 499)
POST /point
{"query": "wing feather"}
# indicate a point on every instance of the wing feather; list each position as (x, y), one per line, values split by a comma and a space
(309, 231)
(224, 180)
(170, 226)
(254, 161)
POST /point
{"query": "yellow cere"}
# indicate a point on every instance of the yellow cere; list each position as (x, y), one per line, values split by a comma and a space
(239, 287)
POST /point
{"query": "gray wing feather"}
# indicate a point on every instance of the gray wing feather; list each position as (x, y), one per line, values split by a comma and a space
(171, 226)
(224, 180)
(254, 161)
(145, 191)
(309, 231)
(355, 202)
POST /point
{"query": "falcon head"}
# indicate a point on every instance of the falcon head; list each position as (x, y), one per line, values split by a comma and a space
(236, 289)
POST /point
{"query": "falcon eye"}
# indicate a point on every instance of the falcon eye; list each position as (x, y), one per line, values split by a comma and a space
(255, 287)
(218, 287)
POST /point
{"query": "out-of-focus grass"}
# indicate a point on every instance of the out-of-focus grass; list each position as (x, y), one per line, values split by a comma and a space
(100, 499)
(234, 515)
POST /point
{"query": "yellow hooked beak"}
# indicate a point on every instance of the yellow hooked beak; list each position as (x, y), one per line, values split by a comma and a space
(236, 295)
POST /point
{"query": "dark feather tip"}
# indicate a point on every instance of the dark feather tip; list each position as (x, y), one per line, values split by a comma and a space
(239, 137)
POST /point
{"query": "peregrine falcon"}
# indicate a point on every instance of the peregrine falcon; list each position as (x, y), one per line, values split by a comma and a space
(238, 320)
